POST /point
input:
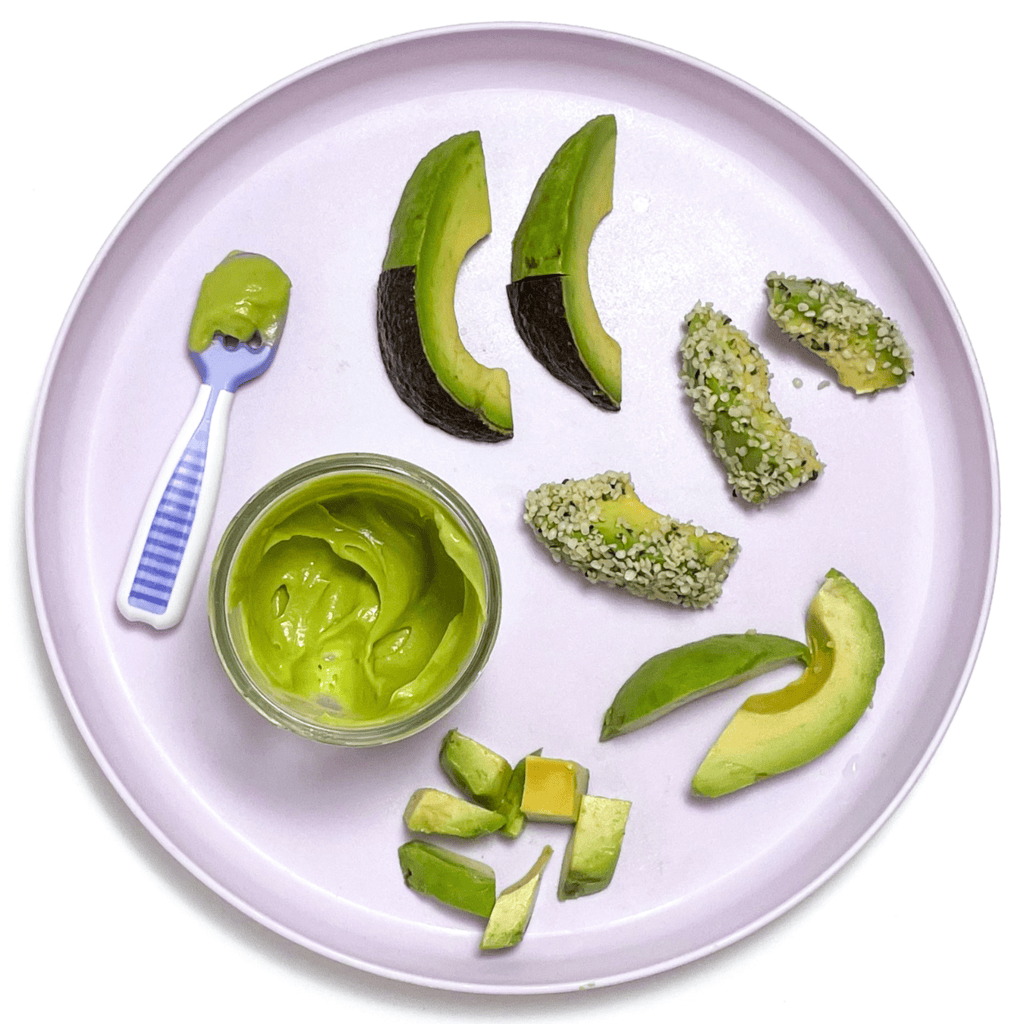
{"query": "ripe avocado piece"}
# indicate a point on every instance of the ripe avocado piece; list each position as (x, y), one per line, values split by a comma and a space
(727, 378)
(449, 877)
(434, 811)
(511, 804)
(553, 789)
(593, 849)
(514, 908)
(685, 673)
(549, 295)
(443, 211)
(477, 770)
(774, 732)
(599, 527)
(866, 349)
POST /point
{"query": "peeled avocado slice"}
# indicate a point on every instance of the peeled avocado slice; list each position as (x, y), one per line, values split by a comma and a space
(443, 211)
(678, 676)
(774, 732)
(550, 295)
(514, 908)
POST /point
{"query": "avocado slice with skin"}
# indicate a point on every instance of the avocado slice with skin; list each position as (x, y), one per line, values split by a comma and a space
(434, 811)
(449, 877)
(549, 293)
(514, 907)
(678, 676)
(476, 769)
(592, 852)
(775, 732)
(444, 210)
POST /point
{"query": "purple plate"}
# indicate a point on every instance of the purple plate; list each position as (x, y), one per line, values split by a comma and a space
(716, 185)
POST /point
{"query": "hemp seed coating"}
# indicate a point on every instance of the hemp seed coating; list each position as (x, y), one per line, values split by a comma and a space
(866, 349)
(600, 528)
(727, 379)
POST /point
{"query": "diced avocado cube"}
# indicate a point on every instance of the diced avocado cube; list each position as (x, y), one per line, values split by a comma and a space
(448, 877)
(434, 811)
(552, 789)
(593, 849)
(477, 770)
(514, 908)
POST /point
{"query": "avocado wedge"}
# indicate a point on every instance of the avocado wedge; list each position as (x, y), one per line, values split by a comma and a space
(593, 849)
(443, 211)
(514, 907)
(676, 677)
(477, 770)
(434, 811)
(448, 877)
(775, 732)
(549, 294)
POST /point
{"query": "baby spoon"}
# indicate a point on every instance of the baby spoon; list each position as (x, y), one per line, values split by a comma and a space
(171, 536)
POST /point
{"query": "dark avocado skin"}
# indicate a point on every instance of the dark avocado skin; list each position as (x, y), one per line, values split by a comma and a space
(538, 310)
(401, 348)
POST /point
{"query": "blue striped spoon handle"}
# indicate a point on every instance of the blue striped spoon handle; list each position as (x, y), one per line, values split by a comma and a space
(168, 546)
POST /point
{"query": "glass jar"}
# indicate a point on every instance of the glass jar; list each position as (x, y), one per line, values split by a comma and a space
(309, 634)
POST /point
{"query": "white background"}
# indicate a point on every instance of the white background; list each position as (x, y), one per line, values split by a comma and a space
(922, 925)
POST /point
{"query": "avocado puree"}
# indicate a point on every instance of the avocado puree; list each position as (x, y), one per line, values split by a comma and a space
(361, 594)
(245, 295)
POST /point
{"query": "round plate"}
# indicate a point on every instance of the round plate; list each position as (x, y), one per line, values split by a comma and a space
(715, 186)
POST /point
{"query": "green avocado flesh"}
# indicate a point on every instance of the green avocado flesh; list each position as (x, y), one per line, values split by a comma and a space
(449, 877)
(549, 294)
(244, 297)
(675, 677)
(593, 849)
(477, 770)
(443, 211)
(775, 732)
(513, 908)
(359, 596)
(433, 811)
(511, 804)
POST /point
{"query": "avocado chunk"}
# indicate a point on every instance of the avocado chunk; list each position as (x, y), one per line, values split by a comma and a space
(727, 379)
(593, 849)
(549, 294)
(449, 877)
(552, 789)
(443, 211)
(434, 811)
(477, 770)
(599, 527)
(676, 677)
(514, 907)
(863, 346)
(511, 804)
(775, 732)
